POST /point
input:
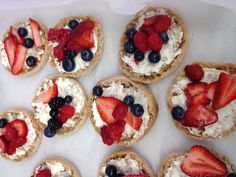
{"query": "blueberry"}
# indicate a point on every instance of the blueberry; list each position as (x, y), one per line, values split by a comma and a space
(231, 175)
(86, 55)
(56, 103)
(130, 33)
(22, 32)
(119, 175)
(73, 23)
(53, 112)
(129, 100)
(31, 61)
(177, 113)
(70, 53)
(28, 42)
(137, 110)
(54, 124)
(97, 91)
(139, 56)
(164, 36)
(129, 47)
(154, 57)
(68, 99)
(3, 122)
(68, 64)
(111, 170)
(48, 132)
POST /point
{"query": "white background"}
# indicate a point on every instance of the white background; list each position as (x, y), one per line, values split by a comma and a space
(212, 32)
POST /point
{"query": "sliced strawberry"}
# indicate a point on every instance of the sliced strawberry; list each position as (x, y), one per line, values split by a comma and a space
(105, 106)
(81, 36)
(10, 44)
(120, 111)
(134, 122)
(151, 20)
(14, 32)
(18, 142)
(20, 126)
(155, 42)
(147, 29)
(3, 144)
(200, 99)
(19, 59)
(35, 27)
(116, 129)
(106, 138)
(194, 89)
(194, 72)
(59, 35)
(163, 23)
(10, 133)
(137, 175)
(199, 116)
(140, 41)
(211, 88)
(44, 173)
(66, 112)
(58, 51)
(51, 92)
(225, 91)
(201, 163)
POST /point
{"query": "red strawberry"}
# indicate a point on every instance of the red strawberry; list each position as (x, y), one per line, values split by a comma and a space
(20, 126)
(105, 106)
(116, 129)
(155, 42)
(140, 41)
(134, 122)
(163, 23)
(14, 32)
(59, 35)
(201, 162)
(44, 173)
(137, 175)
(66, 112)
(35, 27)
(58, 51)
(199, 116)
(51, 92)
(19, 59)
(194, 89)
(3, 144)
(10, 44)
(194, 72)
(147, 29)
(10, 133)
(18, 142)
(150, 20)
(225, 91)
(120, 111)
(200, 99)
(106, 136)
(211, 90)
(81, 37)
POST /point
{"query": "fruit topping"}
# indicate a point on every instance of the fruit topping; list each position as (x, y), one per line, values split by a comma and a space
(49, 132)
(111, 170)
(54, 124)
(59, 35)
(137, 110)
(68, 99)
(3, 144)
(66, 112)
(10, 45)
(56, 103)
(73, 23)
(3, 122)
(10, 133)
(19, 59)
(35, 27)
(129, 46)
(177, 113)
(120, 111)
(140, 41)
(164, 37)
(201, 162)
(106, 136)
(51, 92)
(14, 144)
(86, 55)
(163, 23)
(130, 33)
(14, 32)
(31, 61)
(28, 43)
(20, 126)
(129, 100)
(22, 32)
(155, 42)
(68, 64)
(44, 173)
(147, 29)
(133, 121)
(53, 113)
(97, 91)
(138, 56)
(211, 88)
(231, 175)
(70, 53)
(150, 20)
(154, 57)
(194, 72)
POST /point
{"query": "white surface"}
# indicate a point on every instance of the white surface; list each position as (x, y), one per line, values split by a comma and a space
(212, 32)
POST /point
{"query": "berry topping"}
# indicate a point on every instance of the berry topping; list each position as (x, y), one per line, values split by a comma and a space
(70, 53)
(18, 142)
(19, 59)
(59, 35)
(10, 45)
(53, 113)
(150, 20)
(58, 52)
(56, 103)
(141, 41)
(14, 33)
(199, 116)
(97, 91)
(154, 57)
(211, 88)
(3, 144)
(10, 133)
(86, 55)
(68, 64)
(194, 72)
(31, 61)
(134, 122)
(164, 37)
(129, 47)
(225, 91)
(44, 173)
(48, 94)
(73, 23)
(147, 29)
(155, 42)
(163, 23)
(105, 136)
(119, 175)
(120, 111)
(130, 33)
(68, 99)
(137, 110)
(231, 175)
(48, 132)
(111, 170)
(22, 32)
(129, 100)
(36, 33)
(20, 126)
(66, 112)
(28, 43)
(177, 113)
(3, 122)
(201, 162)
(138, 56)
(54, 124)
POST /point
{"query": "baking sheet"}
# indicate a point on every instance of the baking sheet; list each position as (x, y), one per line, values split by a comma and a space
(212, 32)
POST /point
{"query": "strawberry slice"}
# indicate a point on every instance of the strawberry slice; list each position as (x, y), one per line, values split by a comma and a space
(35, 27)
(19, 59)
(211, 88)
(66, 112)
(3, 144)
(14, 32)
(137, 175)
(120, 111)
(105, 106)
(18, 142)
(10, 44)
(199, 116)
(134, 122)
(10, 133)
(200, 99)
(150, 20)
(147, 29)
(140, 41)
(155, 42)
(163, 23)
(44, 173)
(201, 163)
(194, 89)
(20, 126)
(51, 92)
(225, 91)
(106, 138)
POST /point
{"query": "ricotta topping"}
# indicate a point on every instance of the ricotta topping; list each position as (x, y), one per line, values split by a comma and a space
(168, 51)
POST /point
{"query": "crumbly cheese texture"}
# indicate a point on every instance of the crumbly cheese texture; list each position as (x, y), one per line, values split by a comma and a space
(119, 91)
(31, 136)
(65, 87)
(169, 51)
(226, 114)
